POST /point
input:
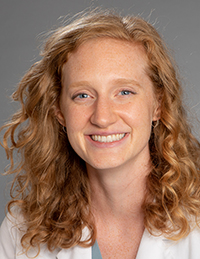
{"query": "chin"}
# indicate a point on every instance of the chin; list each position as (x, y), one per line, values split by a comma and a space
(104, 165)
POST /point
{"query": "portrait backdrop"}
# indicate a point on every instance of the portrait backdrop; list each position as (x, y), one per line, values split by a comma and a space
(23, 24)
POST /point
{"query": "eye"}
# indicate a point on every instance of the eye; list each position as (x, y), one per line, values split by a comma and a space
(81, 96)
(126, 92)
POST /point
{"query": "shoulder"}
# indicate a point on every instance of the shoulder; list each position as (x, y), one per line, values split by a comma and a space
(188, 247)
(158, 247)
(8, 237)
(14, 223)
(12, 229)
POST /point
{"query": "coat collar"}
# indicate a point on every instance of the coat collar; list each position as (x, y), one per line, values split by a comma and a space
(154, 247)
(76, 252)
(151, 247)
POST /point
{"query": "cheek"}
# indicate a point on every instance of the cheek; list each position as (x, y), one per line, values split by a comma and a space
(140, 113)
(75, 118)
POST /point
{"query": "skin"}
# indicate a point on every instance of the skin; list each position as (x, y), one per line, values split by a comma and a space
(106, 91)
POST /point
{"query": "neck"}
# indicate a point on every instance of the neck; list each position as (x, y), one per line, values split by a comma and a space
(118, 193)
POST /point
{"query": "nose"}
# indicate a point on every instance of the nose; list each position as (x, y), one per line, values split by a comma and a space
(104, 113)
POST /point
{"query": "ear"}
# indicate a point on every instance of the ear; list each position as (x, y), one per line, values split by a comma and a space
(157, 111)
(60, 117)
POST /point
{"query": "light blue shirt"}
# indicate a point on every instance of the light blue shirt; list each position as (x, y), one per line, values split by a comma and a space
(96, 254)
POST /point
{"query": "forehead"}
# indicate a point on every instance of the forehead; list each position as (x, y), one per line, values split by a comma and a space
(104, 52)
(109, 41)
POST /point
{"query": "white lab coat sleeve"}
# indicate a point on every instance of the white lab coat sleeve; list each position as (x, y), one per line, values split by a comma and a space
(7, 240)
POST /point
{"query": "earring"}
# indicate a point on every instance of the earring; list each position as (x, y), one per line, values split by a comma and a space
(156, 124)
(64, 129)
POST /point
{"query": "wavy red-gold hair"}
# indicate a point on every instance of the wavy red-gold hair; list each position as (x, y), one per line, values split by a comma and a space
(51, 186)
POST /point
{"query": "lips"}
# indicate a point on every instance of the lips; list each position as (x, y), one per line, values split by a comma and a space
(108, 138)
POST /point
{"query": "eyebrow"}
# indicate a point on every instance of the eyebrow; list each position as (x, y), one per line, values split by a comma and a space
(119, 81)
(126, 81)
(80, 83)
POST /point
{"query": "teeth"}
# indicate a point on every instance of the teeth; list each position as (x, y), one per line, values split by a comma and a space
(109, 138)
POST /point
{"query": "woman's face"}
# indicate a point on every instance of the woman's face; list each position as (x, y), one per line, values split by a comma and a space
(108, 104)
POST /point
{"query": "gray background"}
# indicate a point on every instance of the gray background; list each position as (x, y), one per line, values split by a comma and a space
(22, 22)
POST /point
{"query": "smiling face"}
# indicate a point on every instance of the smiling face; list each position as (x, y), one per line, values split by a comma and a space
(107, 103)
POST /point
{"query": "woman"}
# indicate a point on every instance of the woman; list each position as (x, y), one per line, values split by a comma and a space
(109, 166)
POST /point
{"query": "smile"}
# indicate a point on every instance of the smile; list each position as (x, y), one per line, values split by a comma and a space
(109, 138)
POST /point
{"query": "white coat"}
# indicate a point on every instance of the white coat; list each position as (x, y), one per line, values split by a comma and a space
(150, 247)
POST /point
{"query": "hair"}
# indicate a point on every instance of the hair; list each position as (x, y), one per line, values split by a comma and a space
(51, 185)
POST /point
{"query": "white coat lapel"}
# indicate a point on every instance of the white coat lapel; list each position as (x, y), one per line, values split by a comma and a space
(161, 248)
(76, 252)
(152, 247)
